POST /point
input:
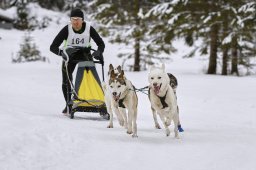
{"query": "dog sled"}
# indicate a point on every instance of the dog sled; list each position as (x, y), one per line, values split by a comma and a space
(86, 92)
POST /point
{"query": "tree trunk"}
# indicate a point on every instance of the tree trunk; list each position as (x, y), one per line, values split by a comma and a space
(136, 66)
(213, 49)
(234, 67)
(224, 70)
(4, 4)
(225, 47)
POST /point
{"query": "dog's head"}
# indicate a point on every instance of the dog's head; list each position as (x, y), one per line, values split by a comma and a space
(158, 78)
(117, 70)
(117, 84)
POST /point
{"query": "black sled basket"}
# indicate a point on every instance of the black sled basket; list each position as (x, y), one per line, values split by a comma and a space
(87, 94)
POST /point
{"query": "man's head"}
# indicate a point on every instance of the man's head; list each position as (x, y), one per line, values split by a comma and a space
(77, 17)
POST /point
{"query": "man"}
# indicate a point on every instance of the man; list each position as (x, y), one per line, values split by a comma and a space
(76, 34)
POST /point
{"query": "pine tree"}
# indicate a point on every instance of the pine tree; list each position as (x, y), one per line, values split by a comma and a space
(240, 33)
(50, 4)
(28, 51)
(124, 22)
(4, 4)
(207, 20)
(22, 22)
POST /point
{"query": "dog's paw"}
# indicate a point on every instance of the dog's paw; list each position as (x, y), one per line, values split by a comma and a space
(129, 131)
(157, 126)
(176, 134)
(167, 122)
(180, 129)
(177, 137)
(167, 132)
(134, 135)
(121, 122)
(110, 126)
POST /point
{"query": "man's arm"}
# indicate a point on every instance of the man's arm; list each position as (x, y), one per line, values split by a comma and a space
(97, 39)
(62, 35)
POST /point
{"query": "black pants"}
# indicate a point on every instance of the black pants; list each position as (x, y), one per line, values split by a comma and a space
(65, 82)
(66, 87)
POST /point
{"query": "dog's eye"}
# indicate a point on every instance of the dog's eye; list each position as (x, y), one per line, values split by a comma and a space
(118, 86)
(159, 77)
(152, 78)
(111, 86)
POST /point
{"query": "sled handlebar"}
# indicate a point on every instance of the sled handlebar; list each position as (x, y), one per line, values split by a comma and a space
(95, 61)
(77, 61)
(102, 65)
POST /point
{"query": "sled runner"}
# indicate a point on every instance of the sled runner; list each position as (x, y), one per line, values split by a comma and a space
(86, 93)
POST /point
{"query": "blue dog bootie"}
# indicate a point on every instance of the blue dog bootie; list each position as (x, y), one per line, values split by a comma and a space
(180, 129)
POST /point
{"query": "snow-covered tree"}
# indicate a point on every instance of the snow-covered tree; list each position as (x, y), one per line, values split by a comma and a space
(222, 25)
(22, 21)
(241, 37)
(125, 22)
(28, 51)
(49, 4)
(4, 4)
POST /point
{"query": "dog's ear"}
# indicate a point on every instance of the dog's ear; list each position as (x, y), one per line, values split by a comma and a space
(112, 74)
(163, 66)
(119, 69)
(111, 67)
(151, 68)
(121, 76)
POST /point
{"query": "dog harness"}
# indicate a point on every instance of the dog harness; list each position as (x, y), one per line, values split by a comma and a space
(162, 99)
(120, 101)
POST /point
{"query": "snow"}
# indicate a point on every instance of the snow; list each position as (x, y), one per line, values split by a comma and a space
(173, 19)
(160, 9)
(207, 19)
(249, 7)
(217, 113)
(227, 39)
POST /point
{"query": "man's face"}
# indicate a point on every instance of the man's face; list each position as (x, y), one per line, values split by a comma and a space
(77, 23)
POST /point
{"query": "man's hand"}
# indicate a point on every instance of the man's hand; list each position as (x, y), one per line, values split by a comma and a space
(86, 50)
(68, 53)
(64, 55)
(71, 51)
(97, 55)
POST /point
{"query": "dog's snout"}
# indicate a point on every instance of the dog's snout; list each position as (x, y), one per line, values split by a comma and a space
(154, 84)
(114, 93)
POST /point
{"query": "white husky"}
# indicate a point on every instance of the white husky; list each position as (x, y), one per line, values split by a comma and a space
(124, 98)
(121, 116)
(162, 98)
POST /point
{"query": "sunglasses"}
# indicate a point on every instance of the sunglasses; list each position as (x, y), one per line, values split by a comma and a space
(76, 19)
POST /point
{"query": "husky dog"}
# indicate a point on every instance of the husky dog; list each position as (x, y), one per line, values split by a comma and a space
(121, 117)
(163, 100)
(124, 98)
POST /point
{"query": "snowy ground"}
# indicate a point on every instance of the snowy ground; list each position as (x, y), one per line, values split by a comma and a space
(217, 113)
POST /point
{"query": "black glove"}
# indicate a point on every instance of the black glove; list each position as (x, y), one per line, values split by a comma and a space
(97, 55)
(63, 55)
(86, 50)
(72, 50)
(69, 52)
